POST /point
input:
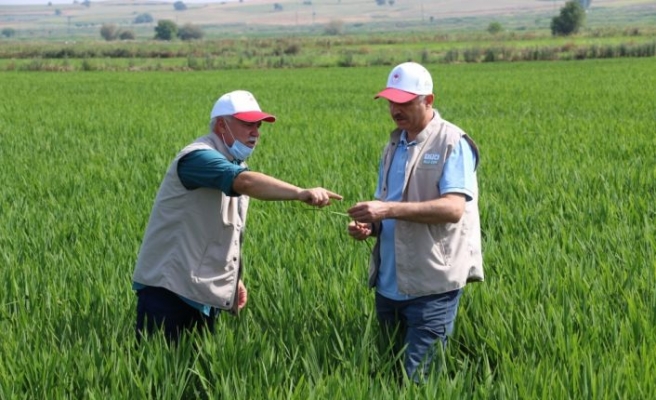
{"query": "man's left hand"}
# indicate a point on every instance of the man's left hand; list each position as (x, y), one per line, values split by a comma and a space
(242, 296)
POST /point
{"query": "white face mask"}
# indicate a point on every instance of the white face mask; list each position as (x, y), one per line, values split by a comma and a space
(238, 150)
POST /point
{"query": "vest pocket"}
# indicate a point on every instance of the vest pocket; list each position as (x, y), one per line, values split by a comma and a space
(441, 251)
(230, 211)
(439, 256)
(214, 266)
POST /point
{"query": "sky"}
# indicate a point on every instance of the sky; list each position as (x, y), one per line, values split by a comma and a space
(44, 2)
(33, 2)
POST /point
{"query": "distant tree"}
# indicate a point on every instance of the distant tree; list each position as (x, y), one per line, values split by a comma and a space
(58, 12)
(165, 30)
(277, 7)
(570, 19)
(50, 4)
(381, 2)
(86, 3)
(144, 18)
(334, 27)
(108, 31)
(390, 2)
(8, 32)
(126, 35)
(179, 6)
(494, 27)
(190, 32)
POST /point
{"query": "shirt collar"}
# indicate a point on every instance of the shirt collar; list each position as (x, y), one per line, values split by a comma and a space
(404, 139)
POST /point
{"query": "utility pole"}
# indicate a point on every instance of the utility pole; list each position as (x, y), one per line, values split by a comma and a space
(422, 11)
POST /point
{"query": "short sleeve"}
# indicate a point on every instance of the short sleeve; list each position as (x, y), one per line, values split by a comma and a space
(459, 174)
(208, 169)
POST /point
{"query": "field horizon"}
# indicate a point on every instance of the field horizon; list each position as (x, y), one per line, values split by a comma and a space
(293, 16)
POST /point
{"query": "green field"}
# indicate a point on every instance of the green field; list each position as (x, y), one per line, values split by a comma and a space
(567, 181)
(322, 52)
(353, 33)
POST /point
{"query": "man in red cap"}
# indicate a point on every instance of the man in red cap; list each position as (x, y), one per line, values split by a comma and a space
(426, 221)
(189, 265)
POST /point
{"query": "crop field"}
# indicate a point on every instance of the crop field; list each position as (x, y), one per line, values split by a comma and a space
(568, 212)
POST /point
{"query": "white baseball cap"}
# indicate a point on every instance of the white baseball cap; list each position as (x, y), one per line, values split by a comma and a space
(407, 81)
(241, 105)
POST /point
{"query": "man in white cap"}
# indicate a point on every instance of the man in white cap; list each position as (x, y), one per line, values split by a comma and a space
(189, 264)
(426, 221)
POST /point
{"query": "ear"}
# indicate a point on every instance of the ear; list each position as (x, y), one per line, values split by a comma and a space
(430, 98)
(219, 125)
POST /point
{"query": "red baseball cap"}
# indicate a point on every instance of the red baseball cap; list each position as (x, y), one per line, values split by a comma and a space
(406, 82)
(241, 105)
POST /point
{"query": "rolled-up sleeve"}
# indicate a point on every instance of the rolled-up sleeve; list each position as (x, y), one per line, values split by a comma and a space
(459, 174)
(208, 169)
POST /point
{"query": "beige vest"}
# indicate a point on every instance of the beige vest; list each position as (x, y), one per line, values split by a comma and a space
(192, 243)
(431, 258)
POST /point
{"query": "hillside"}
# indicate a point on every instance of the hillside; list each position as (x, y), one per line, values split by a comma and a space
(252, 16)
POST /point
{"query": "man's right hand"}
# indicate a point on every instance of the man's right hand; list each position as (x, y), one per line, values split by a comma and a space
(318, 197)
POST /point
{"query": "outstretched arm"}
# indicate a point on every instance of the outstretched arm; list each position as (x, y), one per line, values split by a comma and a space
(265, 187)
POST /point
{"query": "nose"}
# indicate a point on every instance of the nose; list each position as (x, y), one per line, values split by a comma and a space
(254, 135)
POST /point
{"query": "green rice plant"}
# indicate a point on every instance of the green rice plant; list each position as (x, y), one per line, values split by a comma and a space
(567, 183)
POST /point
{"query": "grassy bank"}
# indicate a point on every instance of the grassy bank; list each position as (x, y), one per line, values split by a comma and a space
(322, 51)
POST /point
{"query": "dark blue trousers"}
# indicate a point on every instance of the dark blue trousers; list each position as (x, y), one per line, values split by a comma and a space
(419, 325)
(161, 309)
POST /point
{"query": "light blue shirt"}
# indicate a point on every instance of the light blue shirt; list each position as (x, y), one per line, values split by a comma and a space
(210, 169)
(458, 177)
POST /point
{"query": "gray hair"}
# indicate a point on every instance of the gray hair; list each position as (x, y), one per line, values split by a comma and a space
(215, 120)
(422, 98)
